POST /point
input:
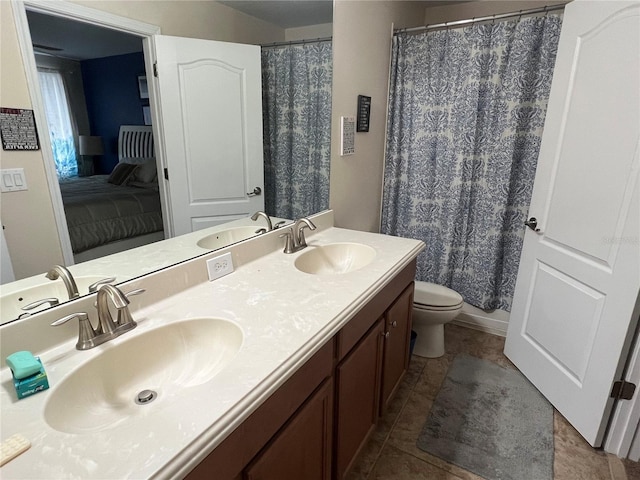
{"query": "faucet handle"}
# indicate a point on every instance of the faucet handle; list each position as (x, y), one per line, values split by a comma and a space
(94, 286)
(279, 224)
(52, 301)
(124, 315)
(289, 246)
(86, 333)
(137, 291)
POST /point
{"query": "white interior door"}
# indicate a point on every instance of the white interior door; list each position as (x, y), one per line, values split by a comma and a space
(579, 276)
(210, 123)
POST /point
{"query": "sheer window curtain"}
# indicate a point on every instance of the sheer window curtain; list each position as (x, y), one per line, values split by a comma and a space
(296, 90)
(466, 113)
(59, 121)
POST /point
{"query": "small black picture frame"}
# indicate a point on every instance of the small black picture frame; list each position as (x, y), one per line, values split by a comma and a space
(364, 113)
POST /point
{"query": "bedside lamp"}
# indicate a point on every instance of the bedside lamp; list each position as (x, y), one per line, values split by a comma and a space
(89, 147)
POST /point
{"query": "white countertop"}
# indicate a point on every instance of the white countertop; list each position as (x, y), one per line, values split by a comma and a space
(138, 261)
(285, 316)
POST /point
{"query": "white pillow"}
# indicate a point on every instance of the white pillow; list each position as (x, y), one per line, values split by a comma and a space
(146, 171)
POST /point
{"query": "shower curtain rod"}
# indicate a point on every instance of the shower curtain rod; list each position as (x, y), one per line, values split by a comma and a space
(296, 42)
(458, 23)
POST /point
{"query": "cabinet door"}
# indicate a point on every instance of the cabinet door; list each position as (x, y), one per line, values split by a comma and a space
(302, 448)
(358, 387)
(397, 336)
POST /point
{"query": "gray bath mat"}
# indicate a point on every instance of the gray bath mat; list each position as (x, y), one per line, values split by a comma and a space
(491, 421)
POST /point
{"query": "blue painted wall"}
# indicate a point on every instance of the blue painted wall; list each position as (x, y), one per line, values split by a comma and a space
(111, 91)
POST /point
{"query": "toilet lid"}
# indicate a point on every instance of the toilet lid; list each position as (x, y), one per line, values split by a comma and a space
(431, 294)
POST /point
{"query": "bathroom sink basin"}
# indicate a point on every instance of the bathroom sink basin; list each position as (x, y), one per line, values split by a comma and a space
(335, 258)
(225, 238)
(167, 361)
(11, 303)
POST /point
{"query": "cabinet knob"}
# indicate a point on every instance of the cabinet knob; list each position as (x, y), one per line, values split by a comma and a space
(385, 334)
(394, 324)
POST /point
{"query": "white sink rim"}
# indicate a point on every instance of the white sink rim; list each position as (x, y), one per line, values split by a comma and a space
(335, 258)
(224, 238)
(74, 406)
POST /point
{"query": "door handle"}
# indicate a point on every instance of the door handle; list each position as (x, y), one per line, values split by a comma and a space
(256, 191)
(532, 223)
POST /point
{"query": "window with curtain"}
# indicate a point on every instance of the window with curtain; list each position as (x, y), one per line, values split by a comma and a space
(61, 130)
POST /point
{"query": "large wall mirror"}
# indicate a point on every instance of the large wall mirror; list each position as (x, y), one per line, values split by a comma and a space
(98, 76)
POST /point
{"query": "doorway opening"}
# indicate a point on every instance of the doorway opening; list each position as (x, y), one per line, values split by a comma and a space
(80, 44)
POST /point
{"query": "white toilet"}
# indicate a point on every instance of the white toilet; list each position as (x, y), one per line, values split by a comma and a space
(433, 306)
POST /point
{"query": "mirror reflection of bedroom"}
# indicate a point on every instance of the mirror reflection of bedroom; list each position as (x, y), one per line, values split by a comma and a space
(97, 109)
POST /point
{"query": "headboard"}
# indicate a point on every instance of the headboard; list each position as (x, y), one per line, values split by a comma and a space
(135, 144)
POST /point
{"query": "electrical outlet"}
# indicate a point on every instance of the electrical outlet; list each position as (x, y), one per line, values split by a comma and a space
(219, 266)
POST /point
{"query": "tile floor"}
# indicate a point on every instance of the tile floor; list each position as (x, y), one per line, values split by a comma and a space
(391, 453)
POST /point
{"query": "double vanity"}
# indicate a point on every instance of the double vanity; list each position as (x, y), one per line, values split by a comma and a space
(279, 369)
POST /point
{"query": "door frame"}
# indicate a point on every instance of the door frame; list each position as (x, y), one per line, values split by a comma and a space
(624, 421)
(95, 17)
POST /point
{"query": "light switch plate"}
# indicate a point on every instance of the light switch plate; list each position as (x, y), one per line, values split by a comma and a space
(12, 180)
(219, 266)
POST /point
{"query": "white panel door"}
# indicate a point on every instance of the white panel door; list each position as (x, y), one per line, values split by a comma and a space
(579, 275)
(210, 112)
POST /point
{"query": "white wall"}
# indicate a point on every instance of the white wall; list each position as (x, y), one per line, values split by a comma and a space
(362, 33)
(30, 229)
(322, 30)
(481, 8)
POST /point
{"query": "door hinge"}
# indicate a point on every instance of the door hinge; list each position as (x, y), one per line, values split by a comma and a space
(623, 390)
(155, 69)
(166, 174)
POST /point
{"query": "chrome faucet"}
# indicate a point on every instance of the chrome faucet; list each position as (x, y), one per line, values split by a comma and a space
(255, 216)
(106, 324)
(96, 285)
(108, 329)
(59, 271)
(298, 231)
(294, 237)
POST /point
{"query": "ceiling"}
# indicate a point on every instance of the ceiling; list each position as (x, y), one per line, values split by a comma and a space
(59, 36)
(287, 13)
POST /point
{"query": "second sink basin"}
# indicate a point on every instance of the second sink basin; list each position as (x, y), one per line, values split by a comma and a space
(167, 361)
(224, 238)
(335, 258)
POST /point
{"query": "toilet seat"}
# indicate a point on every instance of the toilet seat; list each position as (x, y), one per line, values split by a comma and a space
(430, 296)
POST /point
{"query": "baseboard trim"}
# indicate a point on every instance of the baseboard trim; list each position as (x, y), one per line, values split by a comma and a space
(482, 323)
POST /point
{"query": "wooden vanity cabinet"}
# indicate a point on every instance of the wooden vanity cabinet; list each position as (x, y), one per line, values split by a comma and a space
(302, 448)
(357, 396)
(370, 371)
(231, 458)
(397, 338)
(316, 423)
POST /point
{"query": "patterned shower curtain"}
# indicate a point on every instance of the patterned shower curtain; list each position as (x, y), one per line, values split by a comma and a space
(466, 112)
(296, 91)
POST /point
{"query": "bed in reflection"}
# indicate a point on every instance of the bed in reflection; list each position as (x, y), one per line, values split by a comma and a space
(110, 213)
